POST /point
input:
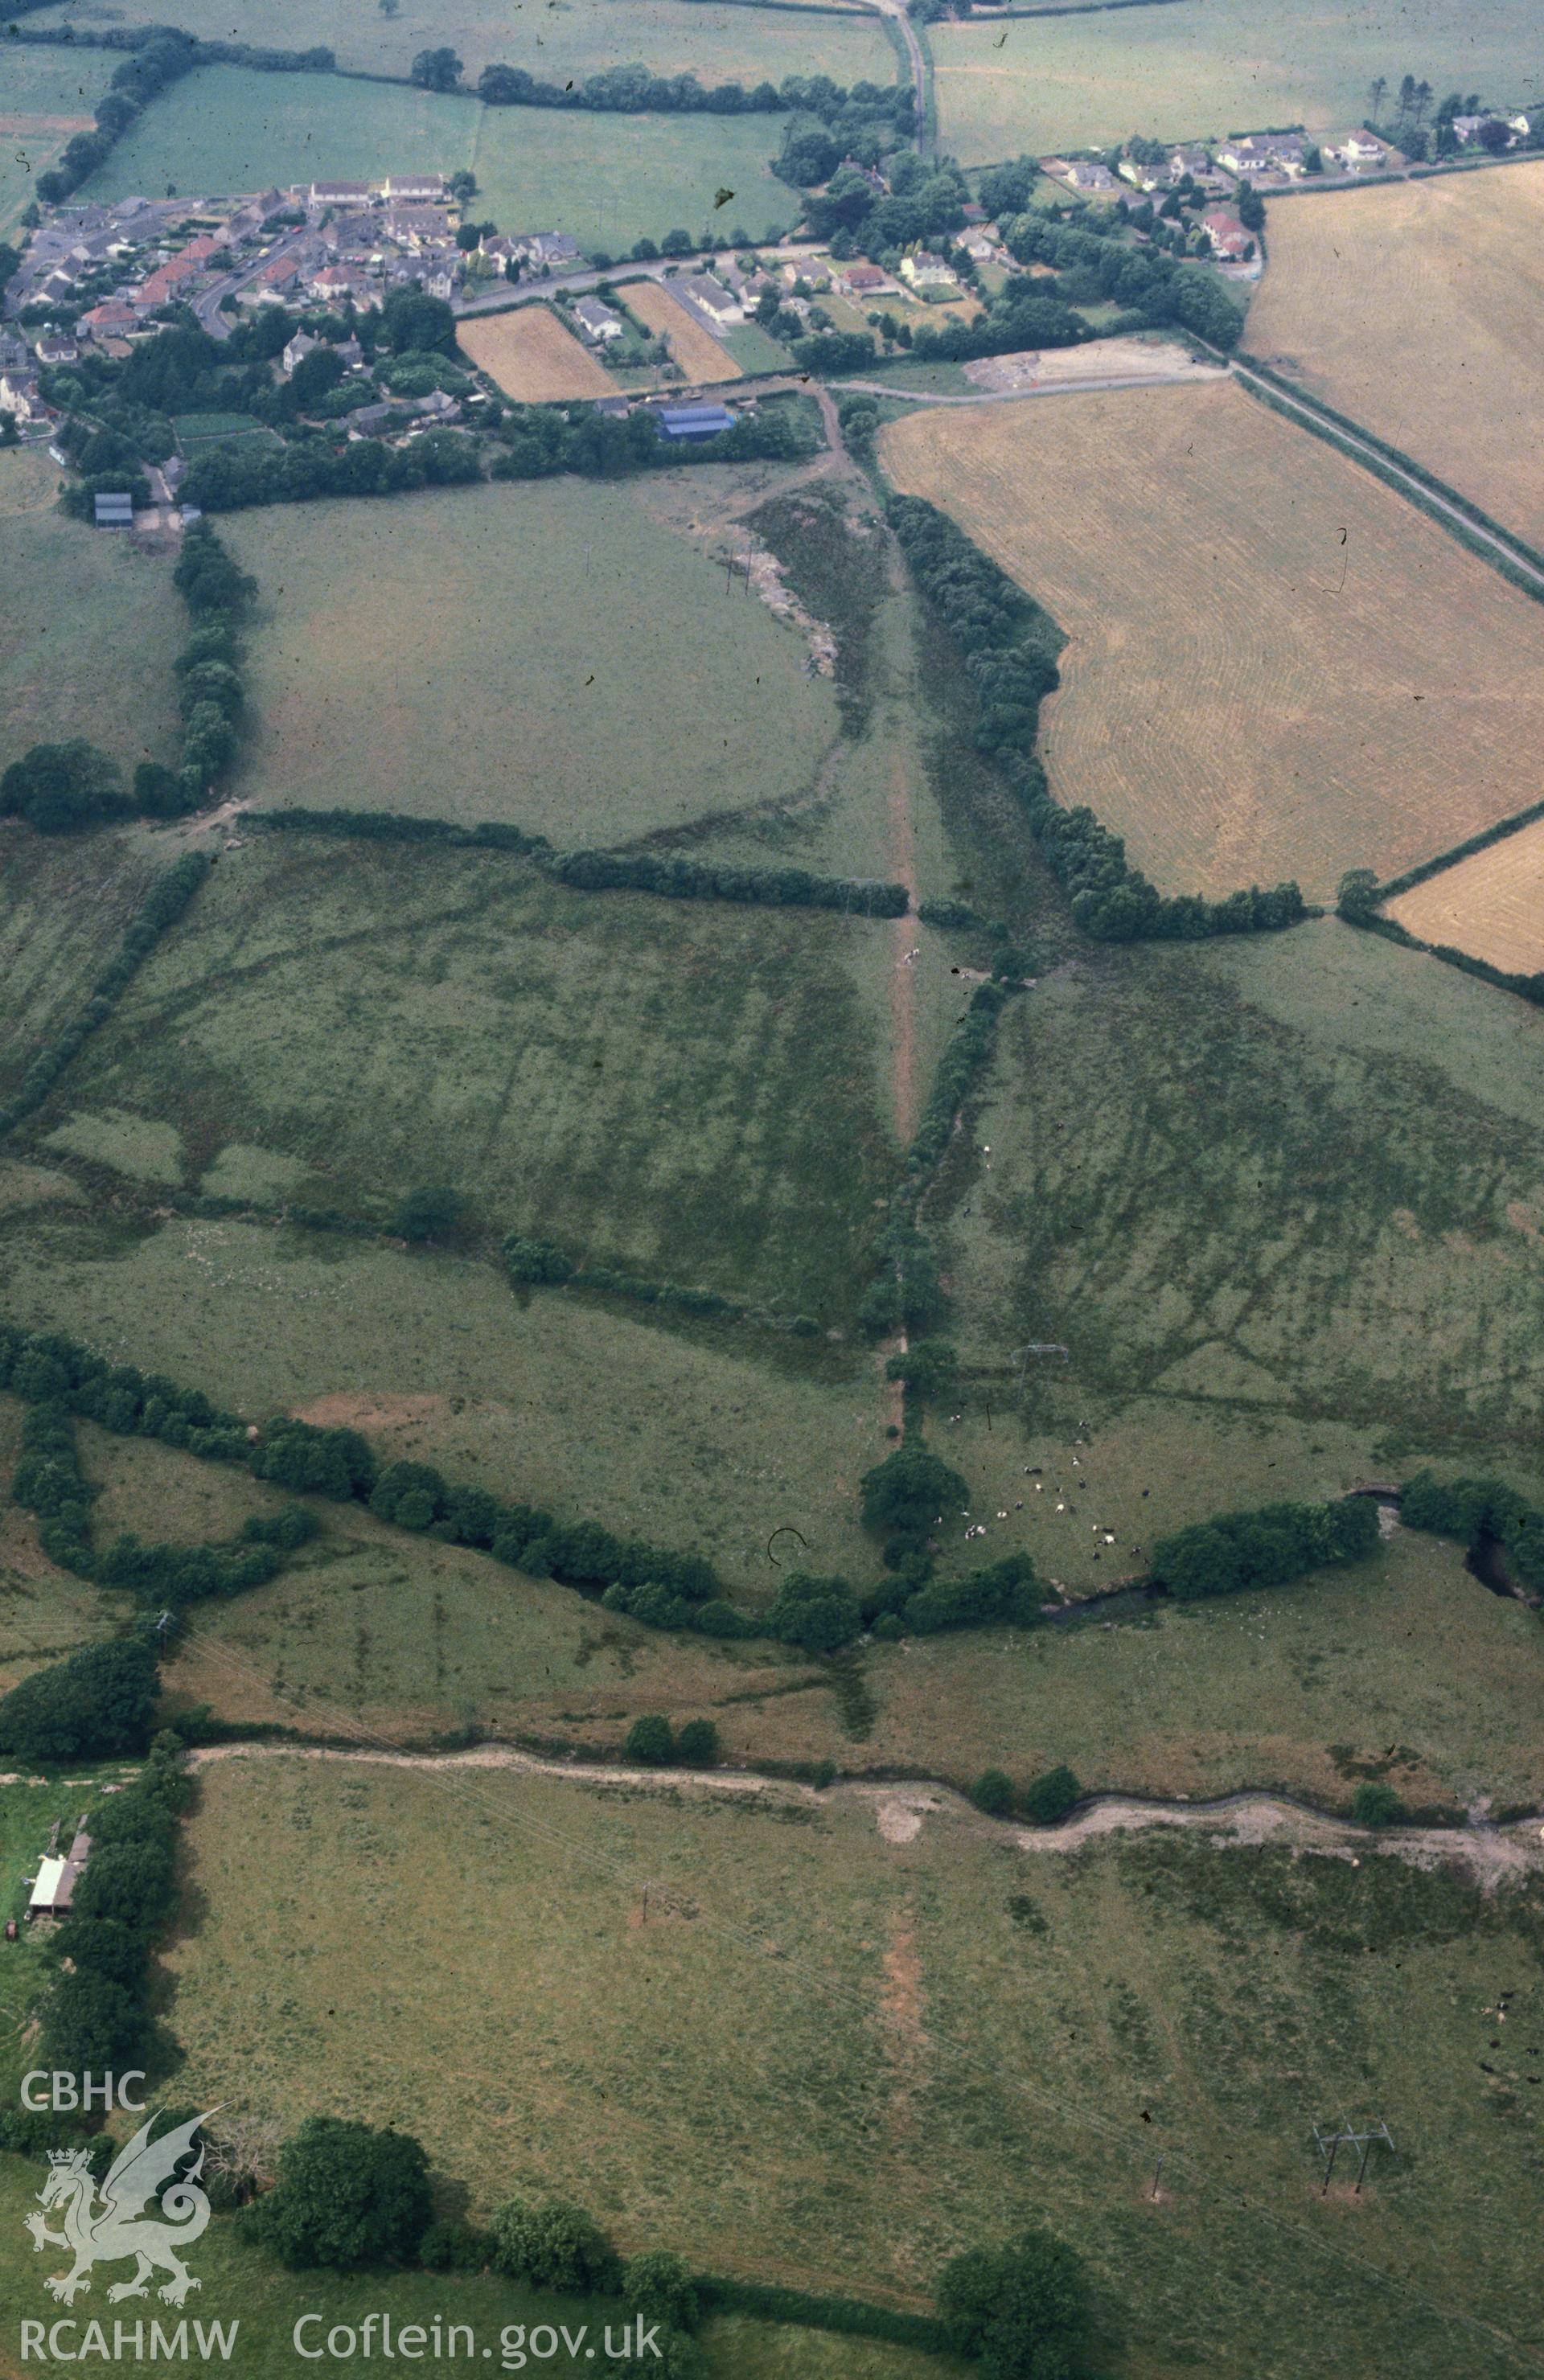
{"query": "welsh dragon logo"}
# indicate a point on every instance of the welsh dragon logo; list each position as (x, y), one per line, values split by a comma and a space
(121, 2226)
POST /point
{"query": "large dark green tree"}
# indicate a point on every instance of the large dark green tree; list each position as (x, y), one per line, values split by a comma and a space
(1022, 2310)
(96, 1705)
(347, 2196)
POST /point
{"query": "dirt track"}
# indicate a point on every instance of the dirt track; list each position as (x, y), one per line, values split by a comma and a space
(1490, 1856)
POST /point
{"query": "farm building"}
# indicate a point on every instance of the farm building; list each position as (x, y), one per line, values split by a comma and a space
(52, 1894)
(414, 190)
(114, 511)
(694, 420)
(598, 323)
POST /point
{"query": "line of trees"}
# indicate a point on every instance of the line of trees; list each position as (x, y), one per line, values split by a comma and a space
(50, 1482)
(1473, 1510)
(1267, 1547)
(61, 788)
(541, 1263)
(699, 879)
(164, 906)
(97, 2011)
(1009, 646)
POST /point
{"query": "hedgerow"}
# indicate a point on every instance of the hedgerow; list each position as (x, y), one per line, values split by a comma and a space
(1010, 644)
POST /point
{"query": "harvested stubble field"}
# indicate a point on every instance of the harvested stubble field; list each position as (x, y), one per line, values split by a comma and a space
(1490, 904)
(1418, 310)
(1271, 658)
(578, 671)
(688, 1091)
(700, 355)
(575, 38)
(840, 2014)
(534, 357)
(1202, 68)
(1360, 1252)
(88, 627)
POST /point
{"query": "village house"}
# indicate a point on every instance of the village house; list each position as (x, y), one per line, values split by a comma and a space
(269, 284)
(19, 397)
(598, 324)
(545, 249)
(336, 283)
(1188, 159)
(296, 352)
(1231, 243)
(1085, 175)
(369, 421)
(1148, 177)
(109, 320)
(1266, 152)
(923, 270)
(416, 227)
(1360, 152)
(980, 245)
(864, 281)
(56, 348)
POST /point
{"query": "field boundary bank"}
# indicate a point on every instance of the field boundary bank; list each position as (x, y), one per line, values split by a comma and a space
(1523, 987)
(597, 870)
(1524, 564)
(1110, 1811)
(164, 906)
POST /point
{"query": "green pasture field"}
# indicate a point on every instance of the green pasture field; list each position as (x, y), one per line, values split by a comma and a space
(1405, 1667)
(544, 653)
(45, 95)
(688, 1091)
(88, 627)
(369, 1630)
(229, 129)
(609, 181)
(756, 350)
(571, 38)
(711, 1439)
(64, 906)
(845, 2018)
(44, 1613)
(1297, 1176)
(240, 2284)
(1203, 68)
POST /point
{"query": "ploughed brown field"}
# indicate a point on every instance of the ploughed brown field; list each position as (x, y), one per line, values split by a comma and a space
(1276, 667)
